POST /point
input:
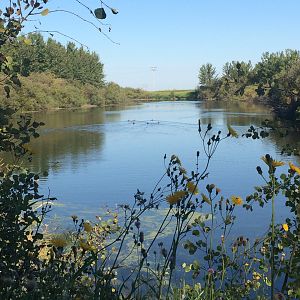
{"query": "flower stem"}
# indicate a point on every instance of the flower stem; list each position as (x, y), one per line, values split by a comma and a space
(273, 239)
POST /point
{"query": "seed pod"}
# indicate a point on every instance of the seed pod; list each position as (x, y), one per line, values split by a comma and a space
(164, 252)
(142, 237)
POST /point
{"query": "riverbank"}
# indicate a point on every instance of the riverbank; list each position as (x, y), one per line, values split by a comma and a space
(45, 91)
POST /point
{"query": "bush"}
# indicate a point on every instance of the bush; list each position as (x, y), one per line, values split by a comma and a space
(115, 257)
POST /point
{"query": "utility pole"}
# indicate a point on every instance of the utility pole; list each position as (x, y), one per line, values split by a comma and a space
(153, 70)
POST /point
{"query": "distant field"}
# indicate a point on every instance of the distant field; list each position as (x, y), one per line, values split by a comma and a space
(172, 94)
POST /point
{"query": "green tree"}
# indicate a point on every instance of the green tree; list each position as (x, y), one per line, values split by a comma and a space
(114, 93)
(277, 76)
(207, 75)
(236, 71)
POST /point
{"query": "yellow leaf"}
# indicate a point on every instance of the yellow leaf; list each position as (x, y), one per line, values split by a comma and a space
(45, 12)
(27, 41)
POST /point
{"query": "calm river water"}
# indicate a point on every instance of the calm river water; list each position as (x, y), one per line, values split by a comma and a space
(97, 158)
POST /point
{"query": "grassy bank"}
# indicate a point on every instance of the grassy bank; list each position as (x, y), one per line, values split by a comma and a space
(172, 95)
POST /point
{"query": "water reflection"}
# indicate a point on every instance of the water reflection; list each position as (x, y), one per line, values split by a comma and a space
(100, 157)
(234, 113)
(68, 136)
(58, 147)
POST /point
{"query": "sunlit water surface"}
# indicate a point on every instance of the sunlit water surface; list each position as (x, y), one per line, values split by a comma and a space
(98, 158)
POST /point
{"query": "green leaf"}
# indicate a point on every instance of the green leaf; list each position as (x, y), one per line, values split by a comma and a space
(196, 232)
(267, 281)
(100, 13)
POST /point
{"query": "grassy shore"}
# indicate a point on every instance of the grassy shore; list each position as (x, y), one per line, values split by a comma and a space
(172, 95)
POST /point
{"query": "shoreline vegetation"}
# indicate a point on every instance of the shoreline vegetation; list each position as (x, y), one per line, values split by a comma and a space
(55, 76)
(275, 80)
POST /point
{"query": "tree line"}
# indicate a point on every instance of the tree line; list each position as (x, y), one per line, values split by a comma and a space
(275, 78)
(54, 75)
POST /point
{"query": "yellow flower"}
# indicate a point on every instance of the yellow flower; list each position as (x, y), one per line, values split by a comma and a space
(277, 163)
(237, 200)
(205, 198)
(87, 227)
(294, 168)
(58, 241)
(176, 197)
(267, 159)
(285, 227)
(232, 132)
(192, 188)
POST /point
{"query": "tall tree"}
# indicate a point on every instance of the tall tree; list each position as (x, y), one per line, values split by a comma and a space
(207, 75)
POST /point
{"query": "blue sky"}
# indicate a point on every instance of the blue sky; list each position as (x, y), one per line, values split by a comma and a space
(178, 36)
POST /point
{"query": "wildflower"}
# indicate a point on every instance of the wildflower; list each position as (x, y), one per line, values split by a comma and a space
(87, 227)
(210, 271)
(218, 191)
(176, 197)
(192, 188)
(267, 159)
(237, 200)
(285, 227)
(58, 242)
(294, 168)
(205, 199)
(277, 163)
(232, 132)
